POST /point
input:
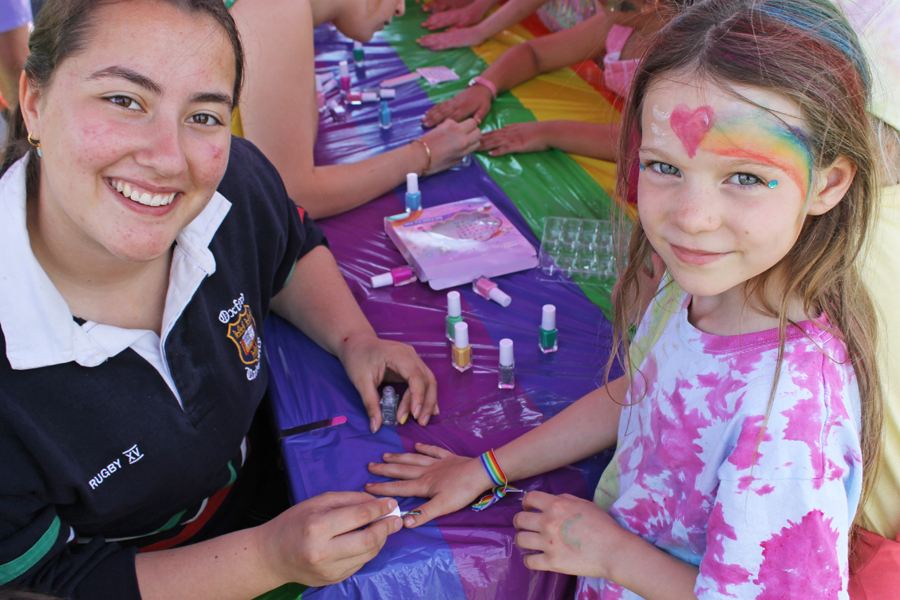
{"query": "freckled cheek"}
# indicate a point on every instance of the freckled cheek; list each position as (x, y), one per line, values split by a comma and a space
(99, 143)
(209, 162)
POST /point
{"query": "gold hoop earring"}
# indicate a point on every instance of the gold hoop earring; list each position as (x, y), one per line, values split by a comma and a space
(36, 145)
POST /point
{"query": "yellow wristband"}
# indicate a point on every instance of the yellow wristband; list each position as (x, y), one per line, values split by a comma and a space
(427, 156)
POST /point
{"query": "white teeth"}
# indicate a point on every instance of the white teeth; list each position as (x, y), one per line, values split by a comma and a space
(145, 198)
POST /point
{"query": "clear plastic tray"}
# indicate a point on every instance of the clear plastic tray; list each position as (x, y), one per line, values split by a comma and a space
(582, 251)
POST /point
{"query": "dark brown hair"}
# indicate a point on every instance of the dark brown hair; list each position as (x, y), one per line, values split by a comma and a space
(63, 29)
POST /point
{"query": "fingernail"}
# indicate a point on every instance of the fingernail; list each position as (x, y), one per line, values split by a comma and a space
(403, 418)
(392, 504)
(437, 409)
(409, 521)
(416, 412)
(425, 421)
(398, 524)
(388, 455)
(372, 425)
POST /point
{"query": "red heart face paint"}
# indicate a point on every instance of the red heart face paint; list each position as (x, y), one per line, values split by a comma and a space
(691, 126)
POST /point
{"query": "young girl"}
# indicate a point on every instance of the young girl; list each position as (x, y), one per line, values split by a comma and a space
(753, 404)
(615, 37)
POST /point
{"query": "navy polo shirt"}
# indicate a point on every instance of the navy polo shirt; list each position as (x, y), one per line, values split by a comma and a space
(113, 434)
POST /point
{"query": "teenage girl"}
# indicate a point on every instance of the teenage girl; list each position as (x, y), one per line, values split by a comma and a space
(615, 37)
(752, 404)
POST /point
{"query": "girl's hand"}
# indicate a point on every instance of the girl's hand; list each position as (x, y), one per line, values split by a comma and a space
(441, 5)
(515, 138)
(317, 543)
(464, 37)
(569, 535)
(450, 141)
(452, 482)
(474, 101)
(369, 360)
(458, 17)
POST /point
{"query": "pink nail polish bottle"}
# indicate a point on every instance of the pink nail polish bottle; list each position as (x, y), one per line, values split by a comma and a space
(398, 276)
(486, 288)
(344, 76)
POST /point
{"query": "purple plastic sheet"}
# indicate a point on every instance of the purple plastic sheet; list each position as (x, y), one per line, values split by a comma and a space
(466, 555)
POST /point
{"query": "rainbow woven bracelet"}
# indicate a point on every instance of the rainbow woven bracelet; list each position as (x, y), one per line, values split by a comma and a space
(498, 477)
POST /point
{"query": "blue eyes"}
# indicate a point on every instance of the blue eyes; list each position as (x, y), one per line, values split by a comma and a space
(739, 179)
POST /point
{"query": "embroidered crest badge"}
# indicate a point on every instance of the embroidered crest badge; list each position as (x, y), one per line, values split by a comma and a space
(243, 333)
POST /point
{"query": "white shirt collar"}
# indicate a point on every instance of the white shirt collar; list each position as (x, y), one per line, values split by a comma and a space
(37, 323)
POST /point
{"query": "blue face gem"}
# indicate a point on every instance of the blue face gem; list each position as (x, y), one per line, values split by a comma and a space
(773, 183)
(641, 165)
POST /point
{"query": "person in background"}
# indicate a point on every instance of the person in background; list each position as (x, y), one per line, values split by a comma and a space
(278, 112)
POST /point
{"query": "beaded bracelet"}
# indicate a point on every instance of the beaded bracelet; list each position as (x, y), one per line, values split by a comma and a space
(498, 477)
(427, 156)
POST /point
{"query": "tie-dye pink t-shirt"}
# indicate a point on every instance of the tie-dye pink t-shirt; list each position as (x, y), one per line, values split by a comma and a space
(762, 517)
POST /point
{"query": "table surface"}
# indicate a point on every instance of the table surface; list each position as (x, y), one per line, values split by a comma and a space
(467, 555)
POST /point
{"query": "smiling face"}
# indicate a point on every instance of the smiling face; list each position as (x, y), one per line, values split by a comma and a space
(723, 192)
(143, 110)
(361, 19)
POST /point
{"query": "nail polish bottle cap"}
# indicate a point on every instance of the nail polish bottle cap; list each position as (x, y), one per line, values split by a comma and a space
(344, 69)
(412, 183)
(357, 45)
(500, 297)
(461, 335)
(387, 93)
(548, 318)
(382, 280)
(454, 307)
(369, 97)
(318, 83)
(506, 352)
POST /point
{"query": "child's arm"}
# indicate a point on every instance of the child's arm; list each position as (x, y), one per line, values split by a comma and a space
(597, 140)
(575, 536)
(523, 62)
(453, 482)
(436, 6)
(462, 37)
(459, 17)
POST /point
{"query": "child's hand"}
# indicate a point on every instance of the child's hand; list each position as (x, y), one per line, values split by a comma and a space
(369, 360)
(450, 142)
(441, 5)
(458, 17)
(474, 101)
(452, 482)
(515, 138)
(464, 37)
(569, 535)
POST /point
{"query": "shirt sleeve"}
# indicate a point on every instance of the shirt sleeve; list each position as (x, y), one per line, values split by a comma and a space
(257, 193)
(779, 523)
(36, 552)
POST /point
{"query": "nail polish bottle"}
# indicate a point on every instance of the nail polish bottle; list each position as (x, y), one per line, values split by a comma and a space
(320, 94)
(487, 289)
(384, 115)
(413, 195)
(328, 85)
(454, 313)
(506, 378)
(397, 276)
(344, 76)
(359, 55)
(387, 93)
(548, 329)
(338, 112)
(462, 352)
(390, 401)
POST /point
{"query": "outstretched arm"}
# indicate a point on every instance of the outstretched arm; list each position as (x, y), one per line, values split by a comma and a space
(452, 482)
(597, 140)
(459, 17)
(523, 62)
(474, 34)
(279, 115)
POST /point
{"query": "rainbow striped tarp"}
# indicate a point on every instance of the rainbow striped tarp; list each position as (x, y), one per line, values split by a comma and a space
(466, 555)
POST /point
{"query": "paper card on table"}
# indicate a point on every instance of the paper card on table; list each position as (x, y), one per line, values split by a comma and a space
(454, 244)
(436, 75)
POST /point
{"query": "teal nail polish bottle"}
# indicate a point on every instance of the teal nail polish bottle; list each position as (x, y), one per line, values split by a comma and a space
(548, 340)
